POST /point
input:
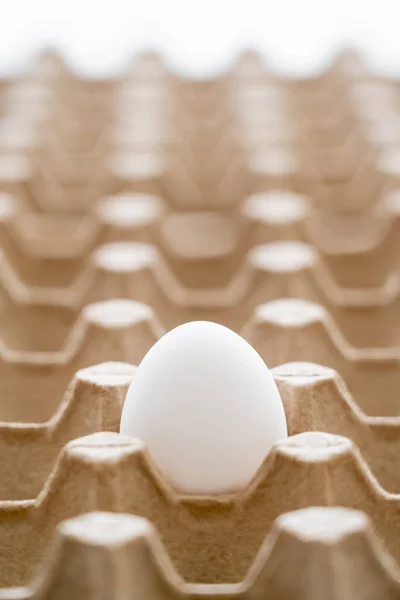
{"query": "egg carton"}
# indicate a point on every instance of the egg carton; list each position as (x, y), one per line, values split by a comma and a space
(172, 278)
(315, 466)
(317, 552)
(178, 182)
(209, 539)
(242, 235)
(274, 300)
(150, 105)
(135, 270)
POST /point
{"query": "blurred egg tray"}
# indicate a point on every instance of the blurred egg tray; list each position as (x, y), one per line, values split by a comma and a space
(132, 204)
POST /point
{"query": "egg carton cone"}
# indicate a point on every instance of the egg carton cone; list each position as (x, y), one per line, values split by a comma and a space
(368, 235)
(209, 539)
(310, 553)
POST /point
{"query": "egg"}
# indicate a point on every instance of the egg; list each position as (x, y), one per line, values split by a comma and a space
(207, 408)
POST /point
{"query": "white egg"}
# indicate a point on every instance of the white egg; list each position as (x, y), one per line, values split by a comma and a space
(207, 408)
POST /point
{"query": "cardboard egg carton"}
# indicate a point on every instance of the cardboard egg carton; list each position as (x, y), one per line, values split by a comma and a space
(170, 127)
(339, 541)
(210, 540)
(204, 264)
(110, 472)
(133, 204)
(205, 136)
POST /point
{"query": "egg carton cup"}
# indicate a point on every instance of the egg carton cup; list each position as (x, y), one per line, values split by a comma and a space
(48, 236)
(45, 253)
(340, 542)
(336, 141)
(92, 402)
(213, 539)
(293, 329)
(316, 398)
(46, 354)
(351, 176)
(365, 236)
(47, 158)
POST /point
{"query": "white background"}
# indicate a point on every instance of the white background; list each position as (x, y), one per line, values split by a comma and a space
(200, 36)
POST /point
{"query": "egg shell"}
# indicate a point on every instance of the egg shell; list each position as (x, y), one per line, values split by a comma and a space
(207, 408)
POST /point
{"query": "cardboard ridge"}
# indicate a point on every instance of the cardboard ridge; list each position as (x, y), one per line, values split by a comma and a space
(308, 469)
(130, 548)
